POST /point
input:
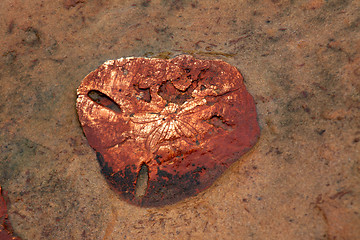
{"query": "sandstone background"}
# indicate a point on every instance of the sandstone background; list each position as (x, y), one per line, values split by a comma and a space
(300, 61)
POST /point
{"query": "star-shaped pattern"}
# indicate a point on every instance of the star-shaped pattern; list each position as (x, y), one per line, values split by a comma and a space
(174, 121)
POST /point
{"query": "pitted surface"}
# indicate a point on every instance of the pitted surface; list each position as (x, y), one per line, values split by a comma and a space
(169, 112)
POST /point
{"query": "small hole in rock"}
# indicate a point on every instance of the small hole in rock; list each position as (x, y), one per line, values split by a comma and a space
(171, 94)
(142, 181)
(202, 74)
(143, 93)
(104, 100)
(219, 122)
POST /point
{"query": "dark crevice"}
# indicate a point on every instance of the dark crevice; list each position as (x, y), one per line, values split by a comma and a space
(143, 93)
(219, 122)
(142, 181)
(104, 100)
(171, 94)
(202, 74)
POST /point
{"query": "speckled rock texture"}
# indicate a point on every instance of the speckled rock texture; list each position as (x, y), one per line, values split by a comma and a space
(300, 61)
(164, 130)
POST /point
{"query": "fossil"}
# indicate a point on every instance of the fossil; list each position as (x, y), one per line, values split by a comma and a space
(164, 130)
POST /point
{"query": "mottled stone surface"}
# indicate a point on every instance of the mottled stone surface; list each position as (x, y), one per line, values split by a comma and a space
(300, 61)
(184, 121)
(6, 231)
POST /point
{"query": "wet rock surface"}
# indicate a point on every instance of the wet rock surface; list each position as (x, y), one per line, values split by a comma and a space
(6, 231)
(300, 62)
(183, 121)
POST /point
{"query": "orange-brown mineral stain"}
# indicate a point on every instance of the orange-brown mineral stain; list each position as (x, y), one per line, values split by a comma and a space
(186, 120)
(6, 232)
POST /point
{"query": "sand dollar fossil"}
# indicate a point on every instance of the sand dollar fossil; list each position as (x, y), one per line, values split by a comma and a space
(162, 129)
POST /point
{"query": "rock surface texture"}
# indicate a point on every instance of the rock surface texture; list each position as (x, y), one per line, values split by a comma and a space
(6, 231)
(183, 121)
(300, 60)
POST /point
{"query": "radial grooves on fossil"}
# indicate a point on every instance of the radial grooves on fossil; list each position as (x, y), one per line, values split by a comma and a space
(166, 129)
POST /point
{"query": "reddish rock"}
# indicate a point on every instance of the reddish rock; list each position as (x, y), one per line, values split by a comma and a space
(6, 232)
(164, 130)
